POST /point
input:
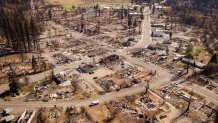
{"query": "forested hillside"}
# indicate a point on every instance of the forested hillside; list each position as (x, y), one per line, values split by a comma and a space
(17, 26)
(200, 13)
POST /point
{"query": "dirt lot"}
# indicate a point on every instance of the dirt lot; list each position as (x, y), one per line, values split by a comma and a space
(99, 113)
(184, 120)
(101, 72)
(16, 58)
(51, 115)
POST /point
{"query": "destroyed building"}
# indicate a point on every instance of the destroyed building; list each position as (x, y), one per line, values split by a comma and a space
(27, 116)
(110, 60)
(157, 34)
(58, 79)
(157, 46)
(88, 68)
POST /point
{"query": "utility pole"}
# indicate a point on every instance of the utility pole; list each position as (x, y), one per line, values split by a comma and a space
(147, 87)
(187, 69)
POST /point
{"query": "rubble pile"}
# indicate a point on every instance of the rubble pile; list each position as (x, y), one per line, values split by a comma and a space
(61, 58)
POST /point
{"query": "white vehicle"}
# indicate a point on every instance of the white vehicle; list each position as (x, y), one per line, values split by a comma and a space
(96, 102)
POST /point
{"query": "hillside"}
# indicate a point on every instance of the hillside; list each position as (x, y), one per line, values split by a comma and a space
(63, 2)
(199, 13)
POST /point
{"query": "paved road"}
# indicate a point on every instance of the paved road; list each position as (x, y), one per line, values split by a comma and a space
(102, 98)
(74, 65)
(3, 88)
(210, 96)
(156, 82)
(163, 78)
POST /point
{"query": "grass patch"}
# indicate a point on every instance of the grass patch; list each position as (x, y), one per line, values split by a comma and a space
(197, 50)
(111, 3)
(10, 98)
(180, 64)
(198, 53)
(68, 5)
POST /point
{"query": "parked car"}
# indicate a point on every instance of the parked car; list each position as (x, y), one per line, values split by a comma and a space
(96, 102)
(163, 116)
(95, 77)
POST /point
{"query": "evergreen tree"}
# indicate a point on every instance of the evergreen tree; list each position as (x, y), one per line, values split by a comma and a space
(129, 21)
(214, 59)
(34, 63)
(19, 30)
(49, 14)
(13, 82)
